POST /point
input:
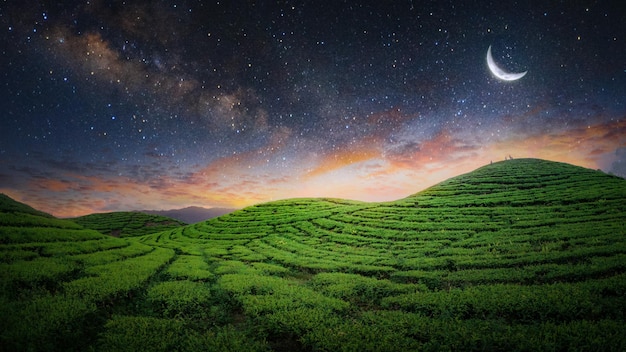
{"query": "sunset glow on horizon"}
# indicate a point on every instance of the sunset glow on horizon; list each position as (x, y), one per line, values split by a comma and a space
(148, 106)
(358, 174)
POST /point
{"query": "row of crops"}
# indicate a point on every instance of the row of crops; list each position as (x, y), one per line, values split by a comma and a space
(518, 255)
(121, 224)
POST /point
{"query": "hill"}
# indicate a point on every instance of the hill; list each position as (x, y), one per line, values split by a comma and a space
(122, 224)
(524, 254)
(9, 205)
(31, 240)
(16, 214)
(525, 182)
(191, 215)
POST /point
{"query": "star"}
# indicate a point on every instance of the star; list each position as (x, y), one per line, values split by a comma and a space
(121, 106)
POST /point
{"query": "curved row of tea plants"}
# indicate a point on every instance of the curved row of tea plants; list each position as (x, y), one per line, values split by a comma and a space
(518, 255)
(524, 254)
(124, 223)
(56, 278)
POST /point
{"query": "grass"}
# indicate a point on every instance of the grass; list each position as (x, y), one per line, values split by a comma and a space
(524, 254)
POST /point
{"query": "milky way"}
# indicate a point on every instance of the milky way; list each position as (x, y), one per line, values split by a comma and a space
(113, 105)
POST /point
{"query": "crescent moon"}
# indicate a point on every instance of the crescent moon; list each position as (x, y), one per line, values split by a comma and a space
(500, 73)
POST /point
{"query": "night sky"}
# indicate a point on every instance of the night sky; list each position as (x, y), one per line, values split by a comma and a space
(124, 105)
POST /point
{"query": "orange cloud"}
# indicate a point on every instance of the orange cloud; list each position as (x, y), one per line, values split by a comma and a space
(442, 148)
(581, 146)
(52, 185)
(412, 167)
(352, 154)
(362, 171)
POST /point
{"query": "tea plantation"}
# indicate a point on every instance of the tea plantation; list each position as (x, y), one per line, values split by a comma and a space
(124, 223)
(520, 255)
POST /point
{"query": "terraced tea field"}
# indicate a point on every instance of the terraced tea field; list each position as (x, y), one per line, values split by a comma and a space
(122, 224)
(519, 255)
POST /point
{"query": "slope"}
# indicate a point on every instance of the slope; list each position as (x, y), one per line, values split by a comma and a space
(518, 255)
(27, 233)
(524, 254)
(524, 182)
(493, 203)
(123, 224)
(9, 205)
(39, 254)
(16, 214)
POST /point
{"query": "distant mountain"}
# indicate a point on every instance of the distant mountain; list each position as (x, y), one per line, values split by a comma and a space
(191, 215)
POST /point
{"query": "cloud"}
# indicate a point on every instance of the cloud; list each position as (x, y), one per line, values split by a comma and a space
(74, 166)
(445, 146)
(362, 171)
(239, 110)
(380, 169)
(162, 78)
(369, 143)
(581, 144)
(349, 154)
(95, 58)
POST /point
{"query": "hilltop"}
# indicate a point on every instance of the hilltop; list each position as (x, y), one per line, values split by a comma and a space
(524, 254)
(523, 182)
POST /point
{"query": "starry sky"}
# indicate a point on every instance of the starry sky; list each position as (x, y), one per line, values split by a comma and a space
(124, 105)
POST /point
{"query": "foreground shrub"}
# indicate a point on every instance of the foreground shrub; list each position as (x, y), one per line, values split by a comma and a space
(180, 298)
(138, 333)
(46, 323)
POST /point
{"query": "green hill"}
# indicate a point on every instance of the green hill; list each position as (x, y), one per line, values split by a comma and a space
(525, 182)
(123, 224)
(8, 205)
(16, 214)
(518, 255)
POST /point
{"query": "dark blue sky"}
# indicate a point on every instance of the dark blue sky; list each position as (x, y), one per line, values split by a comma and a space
(113, 105)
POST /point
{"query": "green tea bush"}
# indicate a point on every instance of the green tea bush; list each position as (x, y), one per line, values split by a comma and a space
(558, 302)
(82, 247)
(243, 253)
(227, 339)
(33, 220)
(300, 320)
(357, 289)
(180, 299)
(33, 274)
(46, 323)
(270, 269)
(358, 334)
(11, 255)
(138, 333)
(190, 267)
(232, 267)
(134, 249)
(11, 234)
(118, 279)
(260, 294)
